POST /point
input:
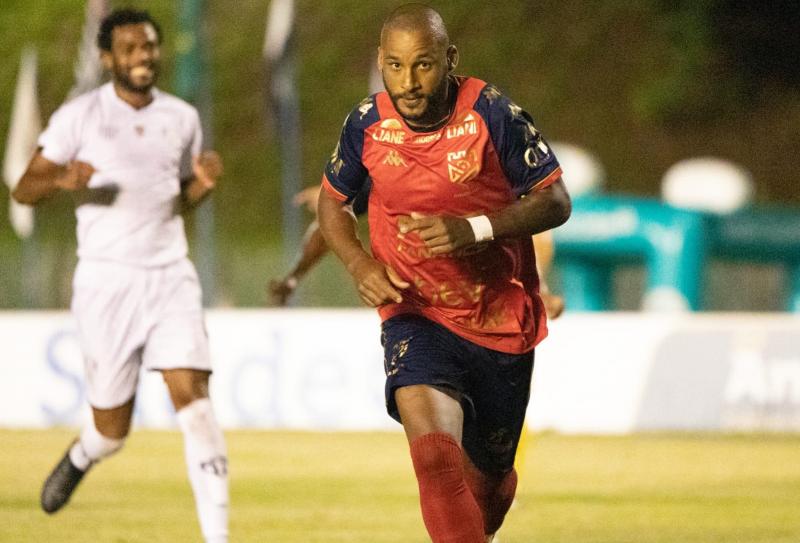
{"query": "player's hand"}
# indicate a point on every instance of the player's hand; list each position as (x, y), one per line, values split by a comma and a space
(553, 304)
(207, 167)
(308, 197)
(440, 234)
(75, 176)
(279, 290)
(377, 284)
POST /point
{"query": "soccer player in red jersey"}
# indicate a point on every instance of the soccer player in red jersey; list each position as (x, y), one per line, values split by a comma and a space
(461, 178)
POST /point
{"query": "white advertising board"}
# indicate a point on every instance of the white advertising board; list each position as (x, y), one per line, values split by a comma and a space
(323, 370)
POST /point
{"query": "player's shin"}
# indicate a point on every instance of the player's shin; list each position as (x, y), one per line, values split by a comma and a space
(493, 492)
(448, 507)
(207, 461)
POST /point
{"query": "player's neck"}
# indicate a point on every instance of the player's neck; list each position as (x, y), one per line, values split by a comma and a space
(135, 99)
(442, 114)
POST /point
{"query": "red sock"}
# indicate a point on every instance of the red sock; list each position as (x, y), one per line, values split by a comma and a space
(493, 493)
(448, 507)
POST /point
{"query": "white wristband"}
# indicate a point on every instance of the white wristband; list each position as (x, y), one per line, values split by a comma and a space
(482, 228)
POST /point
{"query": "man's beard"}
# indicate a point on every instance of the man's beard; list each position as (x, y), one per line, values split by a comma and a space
(123, 79)
(436, 103)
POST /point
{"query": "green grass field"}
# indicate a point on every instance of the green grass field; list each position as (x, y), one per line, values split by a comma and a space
(358, 487)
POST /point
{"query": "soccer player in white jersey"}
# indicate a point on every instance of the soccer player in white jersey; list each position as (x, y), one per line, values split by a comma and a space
(131, 155)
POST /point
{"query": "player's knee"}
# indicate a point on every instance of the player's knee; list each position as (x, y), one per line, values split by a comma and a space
(437, 455)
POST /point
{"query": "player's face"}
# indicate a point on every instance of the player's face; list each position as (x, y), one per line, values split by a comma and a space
(134, 57)
(414, 66)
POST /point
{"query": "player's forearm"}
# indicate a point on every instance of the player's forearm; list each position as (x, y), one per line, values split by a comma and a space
(338, 227)
(35, 187)
(194, 192)
(314, 248)
(538, 211)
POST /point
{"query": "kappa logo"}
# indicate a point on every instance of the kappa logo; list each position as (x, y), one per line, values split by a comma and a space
(467, 126)
(463, 165)
(393, 158)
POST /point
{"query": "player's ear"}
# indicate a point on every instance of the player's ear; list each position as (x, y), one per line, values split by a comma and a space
(379, 59)
(452, 58)
(107, 59)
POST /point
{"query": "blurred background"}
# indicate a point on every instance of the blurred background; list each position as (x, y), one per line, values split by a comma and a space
(639, 86)
(666, 400)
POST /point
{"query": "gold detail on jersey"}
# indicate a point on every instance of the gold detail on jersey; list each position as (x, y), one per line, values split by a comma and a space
(392, 124)
(393, 158)
(390, 136)
(491, 93)
(364, 107)
(336, 162)
(515, 110)
(463, 165)
(428, 138)
(468, 126)
(448, 293)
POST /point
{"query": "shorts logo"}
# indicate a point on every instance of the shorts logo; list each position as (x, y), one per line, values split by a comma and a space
(399, 350)
(463, 165)
(393, 158)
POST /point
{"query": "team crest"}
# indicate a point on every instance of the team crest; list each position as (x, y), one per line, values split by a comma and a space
(463, 165)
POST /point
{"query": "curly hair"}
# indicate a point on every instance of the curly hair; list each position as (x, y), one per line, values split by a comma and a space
(122, 17)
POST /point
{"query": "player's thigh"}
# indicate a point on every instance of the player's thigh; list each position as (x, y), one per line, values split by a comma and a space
(114, 423)
(426, 409)
(425, 375)
(499, 393)
(177, 338)
(106, 305)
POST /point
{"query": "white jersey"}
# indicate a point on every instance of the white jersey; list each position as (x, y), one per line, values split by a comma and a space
(131, 214)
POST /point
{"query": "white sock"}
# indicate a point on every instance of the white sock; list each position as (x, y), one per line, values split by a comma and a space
(207, 461)
(91, 447)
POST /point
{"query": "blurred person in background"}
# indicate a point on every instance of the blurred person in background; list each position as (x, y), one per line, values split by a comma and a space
(131, 156)
(461, 178)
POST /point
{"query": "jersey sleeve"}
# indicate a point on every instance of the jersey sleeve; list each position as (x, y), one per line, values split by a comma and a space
(193, 146)
(60, 141)
(526, 158)
(361, 201)
(345, 174)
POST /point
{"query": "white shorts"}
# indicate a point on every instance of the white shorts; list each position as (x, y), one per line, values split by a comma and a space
(130, 317)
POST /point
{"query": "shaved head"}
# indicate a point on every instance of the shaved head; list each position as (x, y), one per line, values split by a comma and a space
(415, 59)
(416, 18)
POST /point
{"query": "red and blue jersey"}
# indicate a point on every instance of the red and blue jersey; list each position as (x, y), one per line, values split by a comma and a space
(488, 155)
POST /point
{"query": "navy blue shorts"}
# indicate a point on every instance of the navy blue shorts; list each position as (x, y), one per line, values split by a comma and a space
(494, 386)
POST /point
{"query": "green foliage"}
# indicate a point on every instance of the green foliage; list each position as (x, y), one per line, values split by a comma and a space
(640, 84)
